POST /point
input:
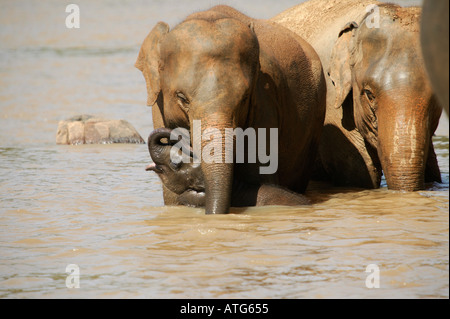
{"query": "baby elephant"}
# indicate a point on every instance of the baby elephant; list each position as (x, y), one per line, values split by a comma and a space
(187, 181)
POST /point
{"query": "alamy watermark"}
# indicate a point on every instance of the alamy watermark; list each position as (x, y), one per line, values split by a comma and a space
(73, 19)
(373, 279)
(73, 279)
(373, 18)
(213, 149)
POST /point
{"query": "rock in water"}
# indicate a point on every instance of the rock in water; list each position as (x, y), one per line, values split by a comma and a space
(88, 129)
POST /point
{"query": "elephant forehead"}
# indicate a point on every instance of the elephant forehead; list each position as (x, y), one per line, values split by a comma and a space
(390, 17)
(397, 66)
(221, 38)
(393, 26)
(390, 55)
(405, 18)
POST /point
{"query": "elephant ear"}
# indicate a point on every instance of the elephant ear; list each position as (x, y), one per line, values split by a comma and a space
(340, 69)
(149, 58)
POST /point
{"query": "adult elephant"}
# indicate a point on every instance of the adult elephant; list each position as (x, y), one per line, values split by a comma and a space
(230, 71)
(381, 110)
(434, 38)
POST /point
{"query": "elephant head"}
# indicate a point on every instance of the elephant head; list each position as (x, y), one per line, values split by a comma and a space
(381, 67)
(204, 69)
(177, 175)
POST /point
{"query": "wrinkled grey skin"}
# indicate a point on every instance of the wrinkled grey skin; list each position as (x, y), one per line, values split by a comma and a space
(435, 46)
(187, 180)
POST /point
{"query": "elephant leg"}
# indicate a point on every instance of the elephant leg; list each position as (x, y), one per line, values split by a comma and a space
(432, 172)
(245, 195)
(344, 159)
(275, 195)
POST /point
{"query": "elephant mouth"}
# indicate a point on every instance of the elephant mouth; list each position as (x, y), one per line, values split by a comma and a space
(198, 190)
(190, 190)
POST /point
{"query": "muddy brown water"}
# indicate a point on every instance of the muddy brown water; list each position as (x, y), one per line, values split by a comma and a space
(94, 206)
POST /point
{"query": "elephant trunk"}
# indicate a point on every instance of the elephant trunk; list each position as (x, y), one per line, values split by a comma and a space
(218, 185)
(404, 142)
(406, 173)
(157, 147)
(216, 165)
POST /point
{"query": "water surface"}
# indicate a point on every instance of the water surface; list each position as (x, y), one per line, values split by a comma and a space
(96, 207)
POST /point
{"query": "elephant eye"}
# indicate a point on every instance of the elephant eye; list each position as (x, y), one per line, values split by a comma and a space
(369, 95)
(182, 98)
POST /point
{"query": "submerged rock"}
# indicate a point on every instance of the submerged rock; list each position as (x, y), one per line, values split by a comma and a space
(88, 129)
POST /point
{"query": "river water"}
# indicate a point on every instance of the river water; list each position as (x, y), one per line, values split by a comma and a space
(95, 207)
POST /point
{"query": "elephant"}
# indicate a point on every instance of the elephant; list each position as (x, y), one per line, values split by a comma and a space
(381, 110)
(225, 71)
(434, 37)
(187, 181)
